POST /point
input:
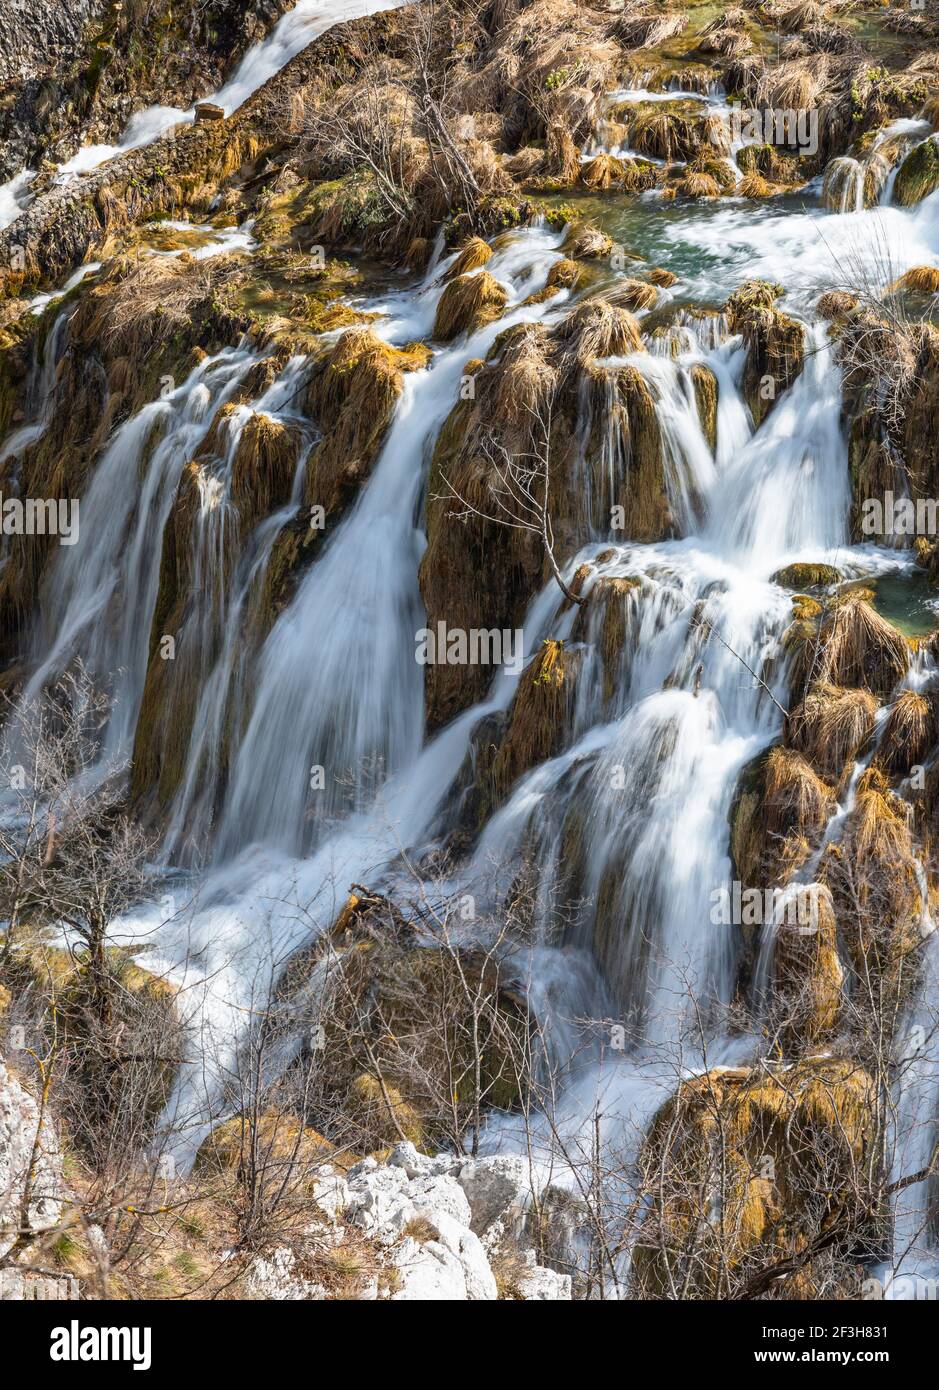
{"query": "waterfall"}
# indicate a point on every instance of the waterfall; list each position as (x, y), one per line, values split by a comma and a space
(307, 764)
(341, 688)
(100, 601)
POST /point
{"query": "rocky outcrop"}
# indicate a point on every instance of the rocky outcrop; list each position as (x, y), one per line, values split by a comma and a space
(30, 1164)
(76, 74)
(721, 1214)
(445, 1225)
(775, 345)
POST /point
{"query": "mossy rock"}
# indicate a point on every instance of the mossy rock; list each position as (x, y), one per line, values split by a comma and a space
(746, 1167)
(396, 1018)
(468, 303)
(918, 175)
(705, 393)
(807, 576)
(539, 720)
(272, 1142)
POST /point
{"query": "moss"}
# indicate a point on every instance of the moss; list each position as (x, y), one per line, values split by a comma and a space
(918, 175)
(714, 1218)
(539, 722)
(270, 1144)
(397, 1030)
(807, 576)
(775, 345)
(705, 393)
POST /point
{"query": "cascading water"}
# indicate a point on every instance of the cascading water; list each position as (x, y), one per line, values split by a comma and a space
(650, 772)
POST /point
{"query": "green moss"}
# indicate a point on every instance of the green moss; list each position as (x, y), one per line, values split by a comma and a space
(918, 175)
(807, 576)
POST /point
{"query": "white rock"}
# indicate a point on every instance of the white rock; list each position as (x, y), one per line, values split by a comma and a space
(467, 1247)
(539, 1284)
(498, 1189)
(19, 1121)
(428, 1272)
(275, 1278)
(440, 1195)
(406, 1156)
(331, 1193)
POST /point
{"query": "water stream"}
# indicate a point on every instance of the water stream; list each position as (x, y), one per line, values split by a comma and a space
(650, 771)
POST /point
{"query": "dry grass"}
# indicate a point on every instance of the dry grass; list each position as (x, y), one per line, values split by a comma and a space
(666, 134)
(922, 279)
(697, 184)
(148, 300)
(606, 171)
(831, 726)
(909, 733)
(797, 85)
(796, 797)
(527, 378)
(649, 30)
(634, 294)
(755, 186)
(468, 303)
(263, 467)
(472, 256)
(597, 328)
(860, 648)
(663, 278)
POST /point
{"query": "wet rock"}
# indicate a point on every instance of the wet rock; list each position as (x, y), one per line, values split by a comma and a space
(208, 111)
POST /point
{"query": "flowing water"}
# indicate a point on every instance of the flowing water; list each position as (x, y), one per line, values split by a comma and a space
(650, 770)
(289, 36)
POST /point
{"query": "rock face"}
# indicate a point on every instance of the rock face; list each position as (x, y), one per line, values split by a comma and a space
(443, 1223)
(19, 1122)
(76, 73)
(35, 34)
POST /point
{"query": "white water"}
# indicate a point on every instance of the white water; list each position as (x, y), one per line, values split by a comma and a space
(651, 772)
(289, 36)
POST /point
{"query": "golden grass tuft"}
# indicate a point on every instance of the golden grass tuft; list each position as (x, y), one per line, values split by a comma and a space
(754, 185)
(649, 30)
(263, 467)
(527, 377)
(606, 171)
(665, 133)
(831, 727)
(796, 798)
(909, 733)
(808, 974)
(586, 242)
(472, 256)
(858, 647)
(837, 304)
(922, 279)
(563, 275)
(540, 718)
(656, 275)
(634, 294)
(597, 328)
(697, 184)
(467, 304)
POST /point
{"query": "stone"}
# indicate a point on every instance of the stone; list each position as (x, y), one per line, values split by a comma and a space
(493, 1185)
(208, 111)
(19, 1120)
